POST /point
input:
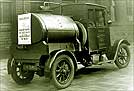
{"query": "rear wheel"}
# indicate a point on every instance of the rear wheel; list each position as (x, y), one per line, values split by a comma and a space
(123, 56)
(9, 64)
(62, 71)
(19, 75)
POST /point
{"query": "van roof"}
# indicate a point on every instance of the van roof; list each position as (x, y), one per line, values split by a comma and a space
(92, 4)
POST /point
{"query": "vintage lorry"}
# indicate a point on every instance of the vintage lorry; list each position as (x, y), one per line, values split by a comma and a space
(52, 42)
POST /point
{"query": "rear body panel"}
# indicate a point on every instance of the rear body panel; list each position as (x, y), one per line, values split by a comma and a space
(30, 52)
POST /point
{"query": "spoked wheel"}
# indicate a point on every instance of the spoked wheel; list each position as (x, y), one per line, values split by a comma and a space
(123, 56)
(19, 75)
(62, 71)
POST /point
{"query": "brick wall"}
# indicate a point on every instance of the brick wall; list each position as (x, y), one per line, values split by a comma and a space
(6, 13)
(25, 6)
(5, 40)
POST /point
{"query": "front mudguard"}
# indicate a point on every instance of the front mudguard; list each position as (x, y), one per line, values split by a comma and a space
(114, 49)
(52, 57)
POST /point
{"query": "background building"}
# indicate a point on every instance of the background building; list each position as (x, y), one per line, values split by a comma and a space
(6, 18)
(121, 15)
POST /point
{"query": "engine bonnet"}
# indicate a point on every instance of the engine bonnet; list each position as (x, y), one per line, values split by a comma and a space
(46, 27)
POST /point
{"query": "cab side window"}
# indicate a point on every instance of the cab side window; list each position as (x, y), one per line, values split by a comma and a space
(91, 18)
(100, 19)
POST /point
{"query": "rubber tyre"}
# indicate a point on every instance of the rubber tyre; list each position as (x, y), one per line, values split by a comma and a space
(69, 63)
(9, 65)
(26, 76)
(121, 55)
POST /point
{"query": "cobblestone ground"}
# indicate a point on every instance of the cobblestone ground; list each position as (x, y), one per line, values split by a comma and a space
(105, 77)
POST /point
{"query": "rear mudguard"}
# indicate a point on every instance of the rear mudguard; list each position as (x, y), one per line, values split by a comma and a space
(54, 54)
(115, 47)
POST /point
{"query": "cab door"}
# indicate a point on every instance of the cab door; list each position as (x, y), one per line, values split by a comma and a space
(91, 30)
(102, 29)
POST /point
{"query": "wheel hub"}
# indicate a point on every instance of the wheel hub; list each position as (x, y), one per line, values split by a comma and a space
(62, 72)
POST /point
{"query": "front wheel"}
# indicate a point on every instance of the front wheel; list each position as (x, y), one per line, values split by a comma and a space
(62, 71)
(19, 75)
(123, 56)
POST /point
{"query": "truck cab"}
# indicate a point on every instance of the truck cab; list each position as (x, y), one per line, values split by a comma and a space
(95, 20)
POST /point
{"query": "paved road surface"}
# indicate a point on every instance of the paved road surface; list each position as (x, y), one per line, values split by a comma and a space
(106, 77)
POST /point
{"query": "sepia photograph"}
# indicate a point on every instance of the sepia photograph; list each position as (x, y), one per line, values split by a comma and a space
(66, 45)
